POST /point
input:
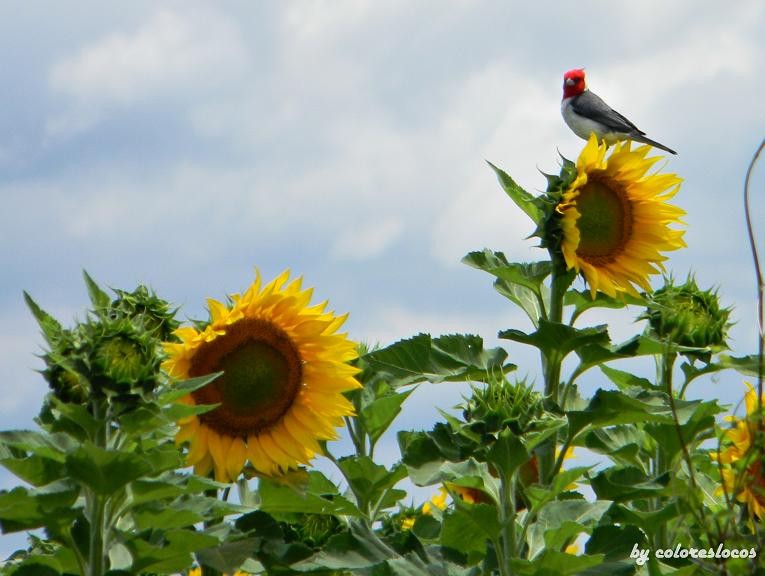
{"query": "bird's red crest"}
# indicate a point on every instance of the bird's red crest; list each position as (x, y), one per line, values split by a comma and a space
(573, 82)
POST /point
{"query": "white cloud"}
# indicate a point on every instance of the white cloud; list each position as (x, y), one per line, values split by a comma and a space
(509, 120)
(182, 54)
(371, 239)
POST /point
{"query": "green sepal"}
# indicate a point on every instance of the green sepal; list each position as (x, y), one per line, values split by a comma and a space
(51, 328)
(180, 389)
(525, 201)
(98, 297)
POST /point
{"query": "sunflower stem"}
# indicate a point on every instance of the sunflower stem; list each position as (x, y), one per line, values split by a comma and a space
(95, 505)
(560, 280)
(507, 518)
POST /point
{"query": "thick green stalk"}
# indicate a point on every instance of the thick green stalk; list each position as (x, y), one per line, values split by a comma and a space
(551, 362)
(507, 518)
(97, 562)
(95, 507)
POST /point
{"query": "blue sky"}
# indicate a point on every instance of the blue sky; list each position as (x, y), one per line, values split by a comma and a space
(180, 144)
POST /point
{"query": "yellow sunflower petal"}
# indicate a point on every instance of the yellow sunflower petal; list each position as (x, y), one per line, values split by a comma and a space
(284, 408)
(615, 221)
(258, 457)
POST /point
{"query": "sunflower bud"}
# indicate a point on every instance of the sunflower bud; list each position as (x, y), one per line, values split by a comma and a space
(114, 352)
(145, 309)
(688, 315)
(503, 404)
(315, 529)
(123, 357)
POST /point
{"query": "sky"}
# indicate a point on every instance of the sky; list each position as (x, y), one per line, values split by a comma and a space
(182, 144)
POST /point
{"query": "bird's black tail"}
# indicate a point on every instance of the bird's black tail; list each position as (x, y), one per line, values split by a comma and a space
(654, 143)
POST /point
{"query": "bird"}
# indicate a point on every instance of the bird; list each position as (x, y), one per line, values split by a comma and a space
(587, 113)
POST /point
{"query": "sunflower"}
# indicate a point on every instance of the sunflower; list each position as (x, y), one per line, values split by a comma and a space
(615, 219)
(743, 460)
(281, 392)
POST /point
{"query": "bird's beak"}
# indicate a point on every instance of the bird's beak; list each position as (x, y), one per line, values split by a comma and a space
(569, 82)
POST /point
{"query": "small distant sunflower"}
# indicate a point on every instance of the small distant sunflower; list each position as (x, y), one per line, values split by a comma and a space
(743, 459)
(615, 219)
(284, 373)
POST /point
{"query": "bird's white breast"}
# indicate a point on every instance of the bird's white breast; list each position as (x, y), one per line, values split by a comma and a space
(582, 126)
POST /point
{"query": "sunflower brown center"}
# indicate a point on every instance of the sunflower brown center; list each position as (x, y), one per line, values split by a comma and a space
(605, 224)
(262, 373)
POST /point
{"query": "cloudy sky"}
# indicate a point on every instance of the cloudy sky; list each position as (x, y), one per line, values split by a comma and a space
(181, 144)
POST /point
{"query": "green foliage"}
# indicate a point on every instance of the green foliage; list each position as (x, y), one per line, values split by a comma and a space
(105, 490)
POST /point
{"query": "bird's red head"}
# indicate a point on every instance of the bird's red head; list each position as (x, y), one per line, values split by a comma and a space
(573, 82)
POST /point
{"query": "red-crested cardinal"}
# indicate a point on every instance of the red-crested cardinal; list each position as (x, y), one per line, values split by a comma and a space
(585, 113)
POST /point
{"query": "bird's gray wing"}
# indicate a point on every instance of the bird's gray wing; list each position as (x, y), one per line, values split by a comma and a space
(592, 106)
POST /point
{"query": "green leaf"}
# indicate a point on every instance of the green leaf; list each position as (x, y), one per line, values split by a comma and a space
(622, 444)
(609, 408)
(555, 339)
(649, 522)
(172, 554)
(468, 530)
(176, 412)
(611, 568)
(354, 550)
(540, 495)
(532, 305)
(622, 484)
(51, 446)
(529, 275)
(164, 518)
(554, 563)
(319, 497)
(452, 358)
(380, 413)
(615, 542)
(696, 428)
(52, 505)
(51, 328)
(596, 354)
(34, 469)
(508, 453)
(691, 371)
(747, 365)
(180, 389)
(520, 283)
(98, 297)
(37, 566)
(105, 471)
(35, 457)
(522, 199)
(77, 414)
(144, 419)
(582, 301)
(151, 490)
(229, 556)
(370, 481)
(562, 520)
(426, 527)
(626, 380)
